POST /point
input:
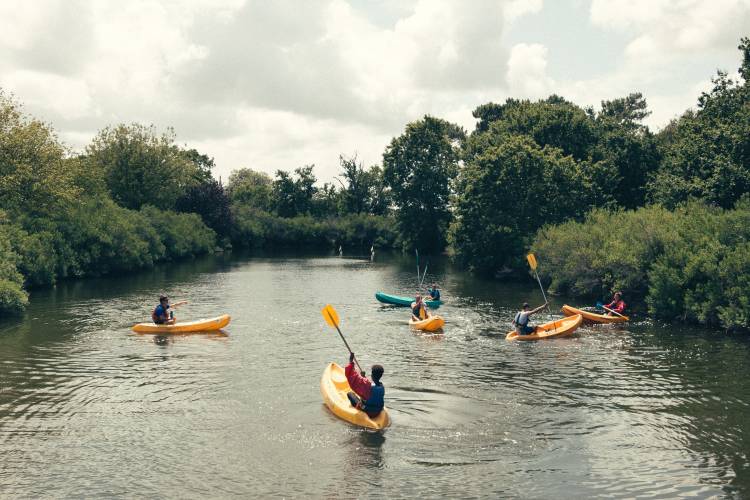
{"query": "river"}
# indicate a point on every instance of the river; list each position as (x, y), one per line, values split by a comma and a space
(90, 409)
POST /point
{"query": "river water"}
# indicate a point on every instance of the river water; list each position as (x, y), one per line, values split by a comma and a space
(89, 409)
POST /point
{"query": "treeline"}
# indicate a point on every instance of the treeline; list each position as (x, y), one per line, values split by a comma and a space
(532, 174)
(113, 208)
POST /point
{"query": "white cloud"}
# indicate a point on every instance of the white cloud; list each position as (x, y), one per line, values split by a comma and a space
(527, 71)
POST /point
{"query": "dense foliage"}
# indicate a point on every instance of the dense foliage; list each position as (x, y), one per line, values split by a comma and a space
(419, 166)
(692, 263)
(58, 214)
(605, 202)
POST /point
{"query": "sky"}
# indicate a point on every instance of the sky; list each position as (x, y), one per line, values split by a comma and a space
(280, 84)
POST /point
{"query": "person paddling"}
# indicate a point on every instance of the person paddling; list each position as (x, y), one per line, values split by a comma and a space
(161, 314)
(434, 292)
(521, 321)
(365, 395)
(418, 309)
(617, 305)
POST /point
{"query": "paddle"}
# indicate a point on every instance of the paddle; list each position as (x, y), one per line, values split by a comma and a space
(424, 275)
(533, 264)
(332, 318)
(416, 252)
(599, 304)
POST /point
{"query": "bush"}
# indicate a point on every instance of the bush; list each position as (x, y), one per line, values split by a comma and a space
(257, 228)
(12, 298)
(692, 264)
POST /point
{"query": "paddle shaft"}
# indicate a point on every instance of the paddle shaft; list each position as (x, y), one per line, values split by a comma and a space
(347, 345)
(549, 311)
(424, 275)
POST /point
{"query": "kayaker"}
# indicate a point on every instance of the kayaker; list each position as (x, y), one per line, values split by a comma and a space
(617, 304)
(434, 292)
(418, 309)
(365, 395)
(521, 321)
(161, 314)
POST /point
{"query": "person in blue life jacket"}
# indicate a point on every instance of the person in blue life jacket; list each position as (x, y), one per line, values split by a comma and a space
(521, 321)
(434, 292)
(162, 314)
(418, 309)
(365, 395)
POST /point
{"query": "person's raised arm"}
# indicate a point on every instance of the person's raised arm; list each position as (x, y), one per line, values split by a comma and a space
(180, 303)
(539, 308)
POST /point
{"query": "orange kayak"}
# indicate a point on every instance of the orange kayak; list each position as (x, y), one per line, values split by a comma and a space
(334, 387)
(431, 324)
(559, 328)
(590, 317)
(201, 325)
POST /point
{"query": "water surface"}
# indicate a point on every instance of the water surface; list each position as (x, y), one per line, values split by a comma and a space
(89, 409)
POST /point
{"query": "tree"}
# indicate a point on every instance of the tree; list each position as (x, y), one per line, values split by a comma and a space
(209, 200)
(365, 190)
(251, 188)
(141, 167)
(627, 144)
(34, 178)
(293, 196)
(508, 192)
(707, 156)
(419, 166)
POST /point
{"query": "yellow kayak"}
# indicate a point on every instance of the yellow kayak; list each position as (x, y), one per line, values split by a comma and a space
(431, 324)
(201, 325)
(560, 328)
(590, 317)
(334, 387)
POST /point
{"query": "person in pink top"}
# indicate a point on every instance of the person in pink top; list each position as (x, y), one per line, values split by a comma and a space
(365, 395)
(617, 304)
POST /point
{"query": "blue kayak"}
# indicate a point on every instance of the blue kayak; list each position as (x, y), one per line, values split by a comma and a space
(398, 300)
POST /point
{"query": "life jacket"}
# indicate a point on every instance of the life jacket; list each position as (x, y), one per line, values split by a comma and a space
(517, 319)
(419, 311)
(435, 294)
(376, 402)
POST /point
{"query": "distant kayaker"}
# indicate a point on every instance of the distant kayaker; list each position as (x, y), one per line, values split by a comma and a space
(367, 396)
(521, 321)
(418, 309)
(617, 304)
(161, 314)
(434, 292)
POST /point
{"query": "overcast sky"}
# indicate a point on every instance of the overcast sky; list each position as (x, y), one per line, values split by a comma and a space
(280, 84)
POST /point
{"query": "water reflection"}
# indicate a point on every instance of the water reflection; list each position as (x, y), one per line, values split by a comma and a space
(623, 410)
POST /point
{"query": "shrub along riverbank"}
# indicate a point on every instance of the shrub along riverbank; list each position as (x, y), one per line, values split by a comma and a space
(690, 264)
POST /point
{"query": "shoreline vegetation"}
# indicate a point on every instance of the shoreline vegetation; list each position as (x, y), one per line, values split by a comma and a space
(602, 200)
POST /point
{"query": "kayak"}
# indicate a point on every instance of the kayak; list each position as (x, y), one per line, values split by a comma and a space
(430, 324)
(559, 328)
(201, 325)
(398, 300)
(590, 317)
(334, 387)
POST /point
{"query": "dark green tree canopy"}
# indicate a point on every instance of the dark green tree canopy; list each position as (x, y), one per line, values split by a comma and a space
(419, 167)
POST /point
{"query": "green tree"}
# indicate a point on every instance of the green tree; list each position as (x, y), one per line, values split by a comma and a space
(418, 167)
(209, 200)
(707, 153)
(251, 188)
(34, 178)
(293, 195)
(365, 190)
(141, 167)
(508, 192)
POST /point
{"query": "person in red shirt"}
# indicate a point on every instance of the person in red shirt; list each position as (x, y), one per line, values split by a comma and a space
(365, 395)
(617, 304)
